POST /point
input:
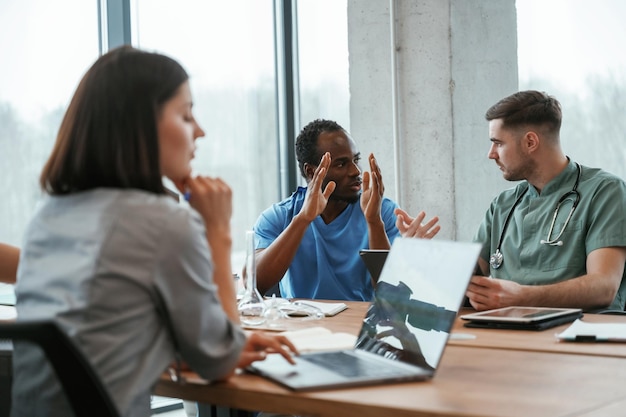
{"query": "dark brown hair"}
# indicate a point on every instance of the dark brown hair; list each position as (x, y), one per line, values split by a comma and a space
(108, 136)
(528, 108)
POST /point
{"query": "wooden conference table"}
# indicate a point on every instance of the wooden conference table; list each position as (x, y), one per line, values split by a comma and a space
(498, 373)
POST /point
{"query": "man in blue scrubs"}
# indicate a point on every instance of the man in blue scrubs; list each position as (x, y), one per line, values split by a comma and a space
(310, 241)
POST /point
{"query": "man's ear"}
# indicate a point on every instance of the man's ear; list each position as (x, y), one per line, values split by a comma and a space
(309, 170)
(531, 141)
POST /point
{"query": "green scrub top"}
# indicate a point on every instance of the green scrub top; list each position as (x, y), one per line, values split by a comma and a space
(599, 221)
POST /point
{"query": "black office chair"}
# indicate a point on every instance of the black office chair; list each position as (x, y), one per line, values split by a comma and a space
(84, 390)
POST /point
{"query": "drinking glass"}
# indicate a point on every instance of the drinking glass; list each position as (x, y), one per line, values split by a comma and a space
(251, 305)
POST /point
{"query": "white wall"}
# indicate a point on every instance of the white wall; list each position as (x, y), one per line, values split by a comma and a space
(455, 58)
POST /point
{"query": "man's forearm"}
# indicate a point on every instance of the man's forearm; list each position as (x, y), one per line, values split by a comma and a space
(377, 235)
(587, 292)
(596, 289)
(273, 261)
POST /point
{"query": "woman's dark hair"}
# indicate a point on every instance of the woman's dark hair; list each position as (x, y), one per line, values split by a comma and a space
(527, 108)
(108, 136)
(306, 142)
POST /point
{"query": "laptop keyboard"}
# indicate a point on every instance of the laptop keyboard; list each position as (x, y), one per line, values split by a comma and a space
(353, 366)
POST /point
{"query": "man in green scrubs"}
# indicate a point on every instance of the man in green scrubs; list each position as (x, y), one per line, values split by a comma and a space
(534, 254)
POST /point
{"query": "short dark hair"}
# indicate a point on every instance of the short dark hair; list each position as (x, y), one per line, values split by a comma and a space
(530, 107)
(108, 136)
(306, 142)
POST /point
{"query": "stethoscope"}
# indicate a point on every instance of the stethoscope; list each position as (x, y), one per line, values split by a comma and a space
(497, 258)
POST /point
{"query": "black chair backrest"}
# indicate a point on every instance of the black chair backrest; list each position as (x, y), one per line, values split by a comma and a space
(83, 388)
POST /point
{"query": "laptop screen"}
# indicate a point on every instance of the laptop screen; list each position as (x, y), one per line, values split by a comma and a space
(418, 295)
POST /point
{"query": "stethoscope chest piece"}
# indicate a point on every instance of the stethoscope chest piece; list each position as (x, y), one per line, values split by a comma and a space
(495, 260)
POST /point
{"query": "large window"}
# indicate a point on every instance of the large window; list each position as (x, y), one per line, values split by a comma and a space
(323, 61)
(45, 50)
(228, 49)
(572, 49)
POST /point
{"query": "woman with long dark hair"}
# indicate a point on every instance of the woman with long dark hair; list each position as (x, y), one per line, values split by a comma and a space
(131, 275)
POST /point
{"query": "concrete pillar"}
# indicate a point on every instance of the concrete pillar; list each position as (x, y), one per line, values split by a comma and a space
(454, 58)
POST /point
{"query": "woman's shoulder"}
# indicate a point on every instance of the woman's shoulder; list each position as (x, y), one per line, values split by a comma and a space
(132, 212)
(131, 208)
(146, 204)
(159, 209)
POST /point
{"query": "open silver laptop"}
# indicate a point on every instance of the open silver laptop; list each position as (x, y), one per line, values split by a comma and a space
(407, 325)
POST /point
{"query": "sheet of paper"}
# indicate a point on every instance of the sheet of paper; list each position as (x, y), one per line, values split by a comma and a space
(315, 339)
(329, 309)
(581, 331)
(298, 310)
(8, 313)
(7, 294)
